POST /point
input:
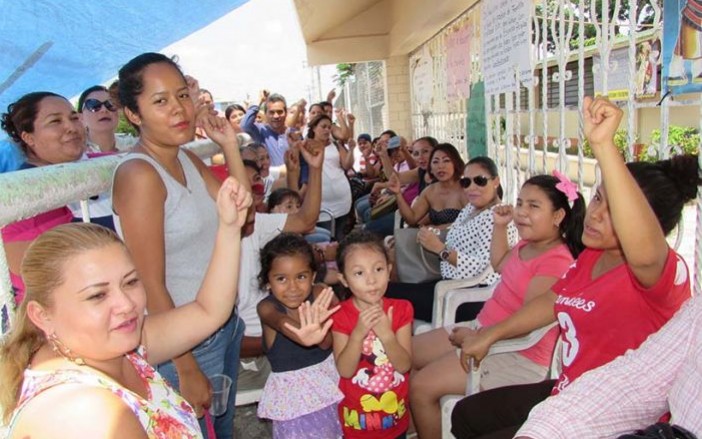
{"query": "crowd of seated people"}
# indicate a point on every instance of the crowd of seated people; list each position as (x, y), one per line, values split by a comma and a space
(268, 267)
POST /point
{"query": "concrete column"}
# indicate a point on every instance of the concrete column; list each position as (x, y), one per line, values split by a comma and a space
(398, 110)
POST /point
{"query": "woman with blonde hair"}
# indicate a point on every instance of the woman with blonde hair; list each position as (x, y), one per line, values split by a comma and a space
(75, 362)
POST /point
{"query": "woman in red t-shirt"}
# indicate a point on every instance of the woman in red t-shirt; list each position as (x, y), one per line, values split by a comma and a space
(625, 285)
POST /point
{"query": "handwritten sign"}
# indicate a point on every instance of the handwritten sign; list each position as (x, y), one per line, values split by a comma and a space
(458, 63)
(423, 78)
(505, 44)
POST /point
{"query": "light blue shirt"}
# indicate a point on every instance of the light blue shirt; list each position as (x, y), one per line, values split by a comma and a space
(275, 143)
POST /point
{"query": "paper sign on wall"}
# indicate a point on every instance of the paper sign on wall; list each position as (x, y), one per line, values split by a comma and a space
(505, 44)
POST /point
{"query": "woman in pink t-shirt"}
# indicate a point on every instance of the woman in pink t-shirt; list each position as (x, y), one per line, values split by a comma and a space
(48, 130)
(549, 217)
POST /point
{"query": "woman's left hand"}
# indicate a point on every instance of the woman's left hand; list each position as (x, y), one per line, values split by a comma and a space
(219, 130)
(429, 240)
(232, 203)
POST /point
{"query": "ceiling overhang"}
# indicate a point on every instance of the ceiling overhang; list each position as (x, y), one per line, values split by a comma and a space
(340, 31)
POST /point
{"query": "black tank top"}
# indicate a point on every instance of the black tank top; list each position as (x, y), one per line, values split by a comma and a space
(286, 355)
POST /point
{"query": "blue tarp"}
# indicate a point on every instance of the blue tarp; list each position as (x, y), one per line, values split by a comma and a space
(68, 46)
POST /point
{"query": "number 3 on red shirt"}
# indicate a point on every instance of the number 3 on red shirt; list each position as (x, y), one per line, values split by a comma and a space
(570, 341)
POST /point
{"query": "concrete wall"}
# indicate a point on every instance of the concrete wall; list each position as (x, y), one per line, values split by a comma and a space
(648, 119)
(397, 91)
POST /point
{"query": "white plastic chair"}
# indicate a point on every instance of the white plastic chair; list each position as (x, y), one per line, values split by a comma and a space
(448, 402)
(327, 213)
(449, 295)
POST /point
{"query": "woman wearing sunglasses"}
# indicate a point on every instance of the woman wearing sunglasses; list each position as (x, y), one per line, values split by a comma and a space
(100, 117)
(466, 251)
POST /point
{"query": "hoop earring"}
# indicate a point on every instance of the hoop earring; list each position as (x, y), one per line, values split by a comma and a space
(61, 349)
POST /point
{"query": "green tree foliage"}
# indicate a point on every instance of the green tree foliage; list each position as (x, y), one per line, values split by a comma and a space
(125, 127)
(572, 13)
(343, 73)
(681, 140)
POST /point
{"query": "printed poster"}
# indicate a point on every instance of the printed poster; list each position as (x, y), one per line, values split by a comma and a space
(682, 46)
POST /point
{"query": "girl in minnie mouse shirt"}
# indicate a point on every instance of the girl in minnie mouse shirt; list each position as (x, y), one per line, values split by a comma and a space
(372, 344)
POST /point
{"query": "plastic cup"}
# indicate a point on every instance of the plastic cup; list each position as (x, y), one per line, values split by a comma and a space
(220, 393)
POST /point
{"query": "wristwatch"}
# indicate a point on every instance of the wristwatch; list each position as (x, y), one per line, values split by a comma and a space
(444, 254)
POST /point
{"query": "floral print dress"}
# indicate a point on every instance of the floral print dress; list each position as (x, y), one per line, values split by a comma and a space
(164, 414)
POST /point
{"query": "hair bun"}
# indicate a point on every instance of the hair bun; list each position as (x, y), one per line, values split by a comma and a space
(8, 125)
(684, 171)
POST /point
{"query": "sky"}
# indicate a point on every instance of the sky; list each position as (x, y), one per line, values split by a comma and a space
(258, 45)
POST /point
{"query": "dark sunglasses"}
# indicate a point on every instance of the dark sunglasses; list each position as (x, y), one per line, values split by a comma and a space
(479, 180)
(94, 105)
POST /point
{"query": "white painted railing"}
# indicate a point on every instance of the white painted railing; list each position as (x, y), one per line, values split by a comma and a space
(512, 142)
(27, 193)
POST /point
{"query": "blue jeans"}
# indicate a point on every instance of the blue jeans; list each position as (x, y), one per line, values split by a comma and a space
(363, 209)
(383, 226)
(217, 354)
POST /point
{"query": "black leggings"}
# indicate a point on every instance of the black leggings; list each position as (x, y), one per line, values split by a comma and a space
(422, 298)
(497, 413)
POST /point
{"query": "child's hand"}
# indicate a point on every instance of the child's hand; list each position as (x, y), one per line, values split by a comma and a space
(367, 319)
(232, 203)
(601, 118)
(311, 330)
(383, 328)
(322, 302)
(503, 214)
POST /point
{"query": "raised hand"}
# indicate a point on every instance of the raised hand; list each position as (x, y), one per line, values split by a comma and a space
(292, 158)
(331, 95)
(219, 130)
(322, 302)
(503, 214)
(312, 330)
(232, 203)
(601, 119)
(263, 95)
(350, 118)
(193, 89)
(313, 152)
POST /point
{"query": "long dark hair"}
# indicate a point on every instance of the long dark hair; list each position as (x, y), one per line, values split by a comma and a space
(453, 155)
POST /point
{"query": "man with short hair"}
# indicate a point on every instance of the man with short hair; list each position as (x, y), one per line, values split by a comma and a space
(272, 133)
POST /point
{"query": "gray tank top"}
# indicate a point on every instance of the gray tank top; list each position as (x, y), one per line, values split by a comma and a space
(189, 224)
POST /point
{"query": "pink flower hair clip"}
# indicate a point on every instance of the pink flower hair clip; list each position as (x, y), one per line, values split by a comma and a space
(566, 186)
